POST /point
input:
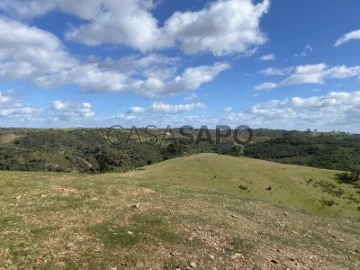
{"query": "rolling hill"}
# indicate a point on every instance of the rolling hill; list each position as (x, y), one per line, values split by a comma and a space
(204, 211)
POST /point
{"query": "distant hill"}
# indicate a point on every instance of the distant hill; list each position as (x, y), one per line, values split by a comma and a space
(91, 151)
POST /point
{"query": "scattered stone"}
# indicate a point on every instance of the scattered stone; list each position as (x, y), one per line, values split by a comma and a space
(234, 216)
(286, 214)
(291, 259)
(18, 197)
(269, 188)
(113, 268)
(212, 256)
(70, 246)
(342, 240)
(193, 265)
(275, 261)
(236, 256)
(135, 206)
(130, 233)
(278, 250)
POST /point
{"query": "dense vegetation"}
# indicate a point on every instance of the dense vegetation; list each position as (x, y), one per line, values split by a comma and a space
(339, 151)
(89, 150)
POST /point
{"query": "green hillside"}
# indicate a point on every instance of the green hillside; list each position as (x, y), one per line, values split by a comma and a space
(204, 211)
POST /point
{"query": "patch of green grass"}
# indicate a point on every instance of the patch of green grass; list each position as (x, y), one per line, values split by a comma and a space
(61, 203)
(143, 229)
(11, 220)
(70, 221)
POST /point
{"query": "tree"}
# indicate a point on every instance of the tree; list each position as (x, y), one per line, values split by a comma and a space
(237, 149)
(355, 173)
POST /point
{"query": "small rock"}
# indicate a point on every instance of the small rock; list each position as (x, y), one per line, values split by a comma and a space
(193, 265)
(286, 214)
(269, 188)
(357, 251)
(135, 206)
(70, 245)
(275, 261)
(113, 268)
(234, 216)
(212, 256)
(18, 197)
(130, 233)
(236, 256)
(342, 240)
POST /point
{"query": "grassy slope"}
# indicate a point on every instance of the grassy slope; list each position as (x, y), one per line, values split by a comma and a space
(189, 209)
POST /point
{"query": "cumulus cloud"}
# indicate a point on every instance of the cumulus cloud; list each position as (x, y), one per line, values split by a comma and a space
(313, 74)
(268, 57)
(12, 110)
(221, 28)
(339, 108)
(126, 22)
(28, 53)
(71, 110)
(354, 35)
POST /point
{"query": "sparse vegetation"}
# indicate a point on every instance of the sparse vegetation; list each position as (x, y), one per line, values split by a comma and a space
(182, 215)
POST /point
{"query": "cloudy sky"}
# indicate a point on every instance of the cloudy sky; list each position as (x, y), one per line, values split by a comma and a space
(262, 63)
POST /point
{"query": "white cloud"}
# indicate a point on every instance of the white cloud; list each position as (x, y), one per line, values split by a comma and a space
(276, 72)
(163, 108)
(136, 110)
(354, 35)
(224, 27)
(313, 74)
(266, 86)
(70, 110)
(268, 57)
(191, 97)
(228, 110)
(28, 53)
(11, 109)
(335, 108)
(126, 22)
(308, 49)
(221, 28)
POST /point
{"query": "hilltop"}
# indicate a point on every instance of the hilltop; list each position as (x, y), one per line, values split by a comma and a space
(208, 210)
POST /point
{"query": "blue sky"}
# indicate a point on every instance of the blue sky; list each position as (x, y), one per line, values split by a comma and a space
(97, 63)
